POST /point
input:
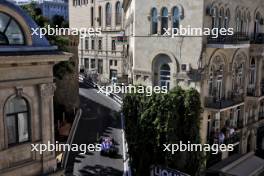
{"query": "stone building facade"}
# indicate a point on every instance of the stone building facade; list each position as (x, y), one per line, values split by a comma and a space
(227, 71)
(56, 7)
(100, 55)
(26, 94)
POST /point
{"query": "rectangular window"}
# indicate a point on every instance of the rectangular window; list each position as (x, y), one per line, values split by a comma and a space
(115, 62)
(100, 66)
(92, 44)
(86, 63)
(82, 62)
(11, 126)
(113, 45)
(81, 43)
(100, 45)
(23, 127)
(17, 128)
(111, 62)
(92, 63)
(100, 16)
(87, 43)
(92, 16)
(74, 2)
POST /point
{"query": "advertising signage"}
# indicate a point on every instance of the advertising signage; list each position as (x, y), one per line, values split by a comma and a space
(162, 171)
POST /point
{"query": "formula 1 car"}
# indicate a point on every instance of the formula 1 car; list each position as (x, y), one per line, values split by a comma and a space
(108, 147)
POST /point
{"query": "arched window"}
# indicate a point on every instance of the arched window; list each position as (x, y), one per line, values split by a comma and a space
(118, 13)
(252, 72)
(238, 21)
(175, 17)
(92, 16)
(154, 21)
(10, 31)
(165, 76)
(214, 18)
(17, 120)
(164, 19)
(244, 22)
(257, 24)
(210, 83)
(227, 18)
(217, 78)
(238, 74)
(221, 18)
(108, 14)
(99, 45)
(248, 21)
(100, 16)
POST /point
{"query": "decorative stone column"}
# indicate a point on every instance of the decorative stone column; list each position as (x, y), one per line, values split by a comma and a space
(47, 125)
(258, 76)
(159, 25)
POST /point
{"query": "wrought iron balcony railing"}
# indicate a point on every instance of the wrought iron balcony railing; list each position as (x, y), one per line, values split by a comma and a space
(261, 115)
(251, 120)
(258, 38)
(251, 92)
(262, 88)
(240, 124)
(237, 38)
(215, 103)
(233, 139)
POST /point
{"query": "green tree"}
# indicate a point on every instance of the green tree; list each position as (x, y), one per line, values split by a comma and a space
(62, 42)
(162, 119)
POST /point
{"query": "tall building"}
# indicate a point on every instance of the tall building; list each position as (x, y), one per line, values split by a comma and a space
(101, 56)
(20, 2)
(50, 8)
(228, 71)
(26, 94)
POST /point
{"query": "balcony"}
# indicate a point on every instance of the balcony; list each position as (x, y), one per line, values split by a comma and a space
(240, 124)
(261, 116)
(228, 41)
(214, 103)
(251, 120)
(235, 138)
(251, 92)
(229, 138)
(262, 88)
(258, 39)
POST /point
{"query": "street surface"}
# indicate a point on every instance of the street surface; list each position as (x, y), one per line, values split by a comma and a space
(100, 117)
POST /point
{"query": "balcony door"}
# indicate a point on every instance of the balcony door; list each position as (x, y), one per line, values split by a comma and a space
(165, 76)
(219, 85)
(257, 25)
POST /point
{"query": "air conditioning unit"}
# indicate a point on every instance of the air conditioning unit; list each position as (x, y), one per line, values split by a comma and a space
(186, 67)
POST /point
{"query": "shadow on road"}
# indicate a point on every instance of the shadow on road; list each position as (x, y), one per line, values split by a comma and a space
(100, 171)
(96, 120)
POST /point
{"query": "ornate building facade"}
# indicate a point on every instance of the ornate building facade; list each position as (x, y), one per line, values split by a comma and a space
(228, 71)
(26, 94)
(100, 55)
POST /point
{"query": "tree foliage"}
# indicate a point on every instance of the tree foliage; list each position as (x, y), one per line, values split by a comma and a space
(162, 119)
(62, 42)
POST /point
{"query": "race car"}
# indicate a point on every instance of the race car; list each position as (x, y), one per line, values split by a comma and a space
(108, 147)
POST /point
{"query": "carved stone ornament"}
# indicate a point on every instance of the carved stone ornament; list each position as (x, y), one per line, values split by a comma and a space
(19, 91)
(47, 89)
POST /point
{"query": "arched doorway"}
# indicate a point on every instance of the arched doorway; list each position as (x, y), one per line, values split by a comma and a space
(249, 143)
(164, 79)
(162, 71)
(257, 25)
